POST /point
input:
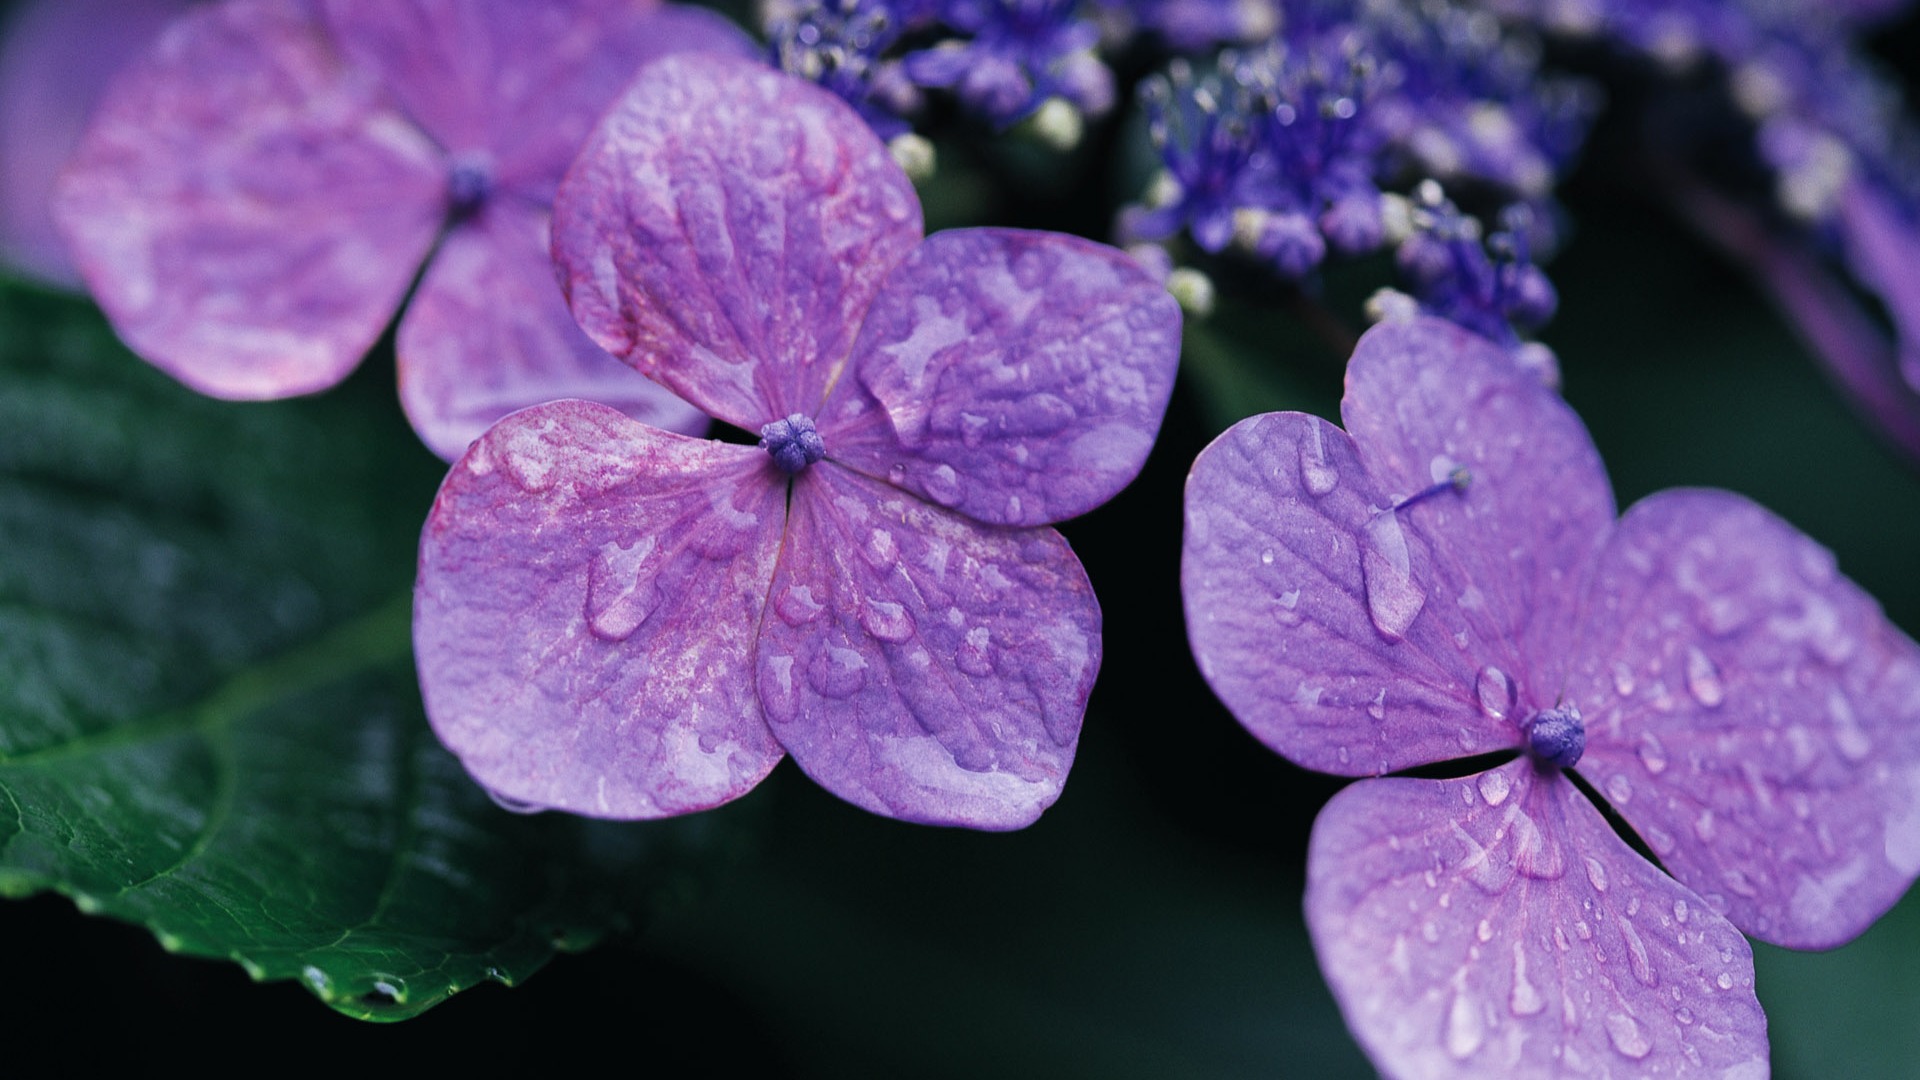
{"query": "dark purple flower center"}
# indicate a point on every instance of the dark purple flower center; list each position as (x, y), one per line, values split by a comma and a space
(469, 183)
(793, 443)
(1556, 736)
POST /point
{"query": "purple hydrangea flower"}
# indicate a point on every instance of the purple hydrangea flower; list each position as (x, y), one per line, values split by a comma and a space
(1190, 25)
(55, 59)
(1446, 578)
(841, 45)
(254, 200)
(1016, 54)
(622, 622)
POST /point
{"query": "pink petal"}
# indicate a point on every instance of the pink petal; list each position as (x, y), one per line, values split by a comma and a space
(724, 230)
(1754, 717)
(584, 619)
(1017, 377)
(920, 665)
(1494, 925)
(56, 59)
(488, 333)
(1314, 614)
(248, 210)
(521, 82)
(1424, 396)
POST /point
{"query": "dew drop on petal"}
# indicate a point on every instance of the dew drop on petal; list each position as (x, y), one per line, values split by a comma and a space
(881, 550)
(1393, 600)
(1495, 693)
(1628, 1036)
(1703, 679)
(1377, 708)
(1525, 1000)
(975, 655)
(620, 595)
(1622, 679)
(1652, 754)
(1683, 1014)
(1484, 931)
(1596, 874)
(1266, 557)
(839, 672)
(1724, 982)
(942, 485)
(1464, 1029)
(886, 620)
(1619, 789)
(1637, 958)
(1660, 841)
(796, 605)
(1317, 474)
(1494, 787)
(1680, 912)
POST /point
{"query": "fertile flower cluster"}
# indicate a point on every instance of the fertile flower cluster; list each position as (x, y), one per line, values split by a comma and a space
(840, 44)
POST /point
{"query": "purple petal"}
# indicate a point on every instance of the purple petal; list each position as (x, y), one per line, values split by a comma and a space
(248, 210)
(724, 230)
(488, 333)
(920, 665)
(1312, 613)
(521, 83)
(1494, 925)
(56, 59)
(1425, 396)
(1883, 246)
(1754, 717)
(1017, 377)
(584, 619)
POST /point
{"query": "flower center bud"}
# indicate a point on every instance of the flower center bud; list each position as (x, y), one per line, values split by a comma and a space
(1556, 736)
(469, 183)
(793, 443)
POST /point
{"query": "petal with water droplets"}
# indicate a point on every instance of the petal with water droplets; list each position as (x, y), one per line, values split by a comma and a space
(1772, 731)
(921, 665)
(488, 333)
(1313, 612)
(1461, 941)
(725, 228)
(1018, 377)
(248, 209)
(585, 613)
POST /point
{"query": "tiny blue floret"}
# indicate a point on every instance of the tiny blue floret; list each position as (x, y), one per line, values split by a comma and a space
(1557, 737)
(794, 443)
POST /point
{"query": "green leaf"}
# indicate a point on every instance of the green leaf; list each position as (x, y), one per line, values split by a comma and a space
(209, 723)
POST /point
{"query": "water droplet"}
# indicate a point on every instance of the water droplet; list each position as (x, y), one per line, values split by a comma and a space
(1495, 692)
(1317, 474)
(1683, 1014)
(973, 428)
(1738, 881)
(1628, 1036)
(1680, 911)
(838, 672)
(318, 980)
(1619, 789)
(1660, 841)
(1494, 787)
(1847, 733)
(621, 592)
(1344, 755)
(896, 474)
(942, 485)
(1652, 754)
(1289, 602)
(1724, 982)
(886, 620)
(1703, 679)
(1393, 600)
(1525, 1000)
(1377, 708)
(1596, 874)
(975, 655)
(1703, 826)
(1464, 1029)
(1266, 557)
(1637, 958)
(512, 805)
(796, 605)
(1622, 679)
(882, 551)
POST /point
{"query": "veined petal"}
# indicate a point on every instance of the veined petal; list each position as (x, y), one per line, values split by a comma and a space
(488, 333)
(1424, 397)
(1754, 717)
(1017, 377)
(248, 209)
(1882, 246)
(584, 618)
(920, 665)
(724, 230)
(522, 83)
(1315, 613)
(1494, 925)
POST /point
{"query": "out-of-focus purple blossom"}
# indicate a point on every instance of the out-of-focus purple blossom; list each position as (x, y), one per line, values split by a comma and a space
(841, 45)
(1193, 25)
(1207, 126)
(56, 56)
(255, 198)
(1012, 56)
(1447, 577)
(626, 623)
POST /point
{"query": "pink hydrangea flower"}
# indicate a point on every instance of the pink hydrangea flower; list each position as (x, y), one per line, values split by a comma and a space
(257, 196)
(622, 622)
(1447, 578)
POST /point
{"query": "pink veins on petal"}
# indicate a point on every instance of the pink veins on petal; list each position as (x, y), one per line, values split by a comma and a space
(254, 198)
(622, 622)
(1446, 577)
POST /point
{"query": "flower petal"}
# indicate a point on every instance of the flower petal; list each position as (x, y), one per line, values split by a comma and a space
(1494, 925)
(1017, 377)
(57, 57)
(584, 618)
(1882, 245)
(248, 210)
(724, 230)
(922, 666)
(1754, 716)
(521, 82)
(1424, 396)
(488, 333)
(1312, 612)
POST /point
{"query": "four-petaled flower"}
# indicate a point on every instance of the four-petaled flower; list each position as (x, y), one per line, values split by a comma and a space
(1446, 578)
(623, 622)
(256, 197)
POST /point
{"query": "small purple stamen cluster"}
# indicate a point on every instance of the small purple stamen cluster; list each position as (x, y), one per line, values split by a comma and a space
(1557, 737)
(793, 443)
(1011, 56)
(1490, 287)
(840, 45)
